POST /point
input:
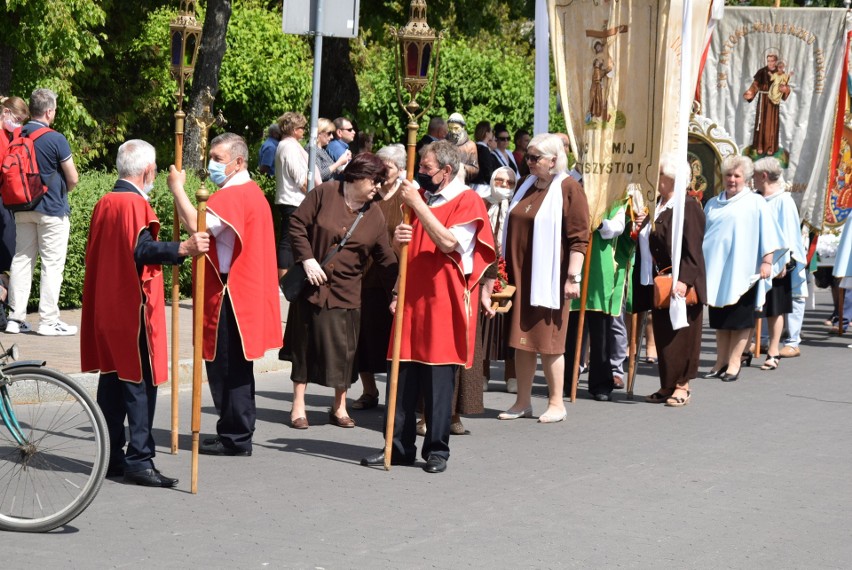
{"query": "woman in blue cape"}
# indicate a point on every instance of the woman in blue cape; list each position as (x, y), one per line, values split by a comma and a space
(742, 241)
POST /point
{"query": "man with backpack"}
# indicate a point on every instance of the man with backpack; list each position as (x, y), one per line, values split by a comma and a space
(43, 230)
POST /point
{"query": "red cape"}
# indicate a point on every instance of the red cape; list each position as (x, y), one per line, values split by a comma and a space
(253, 277)
(112, 292)
(439, 316)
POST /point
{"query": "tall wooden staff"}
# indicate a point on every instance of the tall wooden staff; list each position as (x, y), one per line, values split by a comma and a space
(584, 295)
(413, 59)
(204, 121)
(184, 39)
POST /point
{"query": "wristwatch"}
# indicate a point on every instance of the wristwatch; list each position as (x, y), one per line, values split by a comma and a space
(575, 278)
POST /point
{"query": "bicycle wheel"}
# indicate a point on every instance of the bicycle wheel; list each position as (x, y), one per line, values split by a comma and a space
(51, 470)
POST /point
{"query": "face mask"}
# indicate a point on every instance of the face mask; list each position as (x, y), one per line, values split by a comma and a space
(147, 187)
(11, 125)
(498, 193)
(426, 182)
(217, 172)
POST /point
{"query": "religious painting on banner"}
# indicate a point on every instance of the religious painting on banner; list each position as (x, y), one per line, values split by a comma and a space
(618, 72)
(771, 79)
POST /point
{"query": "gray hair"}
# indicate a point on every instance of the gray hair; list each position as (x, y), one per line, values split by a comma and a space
(42, 101)
(274, 131)
(551, 146)
(393, 153)
(445, 153)
(236, 145)
(734, 161)
(770, 166)
(436, 124)
(134, 156)
(670, 165)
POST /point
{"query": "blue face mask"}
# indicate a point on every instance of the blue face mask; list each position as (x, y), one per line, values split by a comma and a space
(216, 171)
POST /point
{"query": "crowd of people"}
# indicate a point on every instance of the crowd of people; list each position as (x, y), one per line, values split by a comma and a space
(475, 207)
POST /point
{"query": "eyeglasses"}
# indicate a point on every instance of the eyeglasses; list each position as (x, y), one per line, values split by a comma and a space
(503, 182)
(379, 181)
(534, 158)
(350, 129)
(503, 139)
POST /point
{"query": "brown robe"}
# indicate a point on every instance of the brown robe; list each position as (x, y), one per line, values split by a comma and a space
(767, 121)
(679, 351)
(537, 329)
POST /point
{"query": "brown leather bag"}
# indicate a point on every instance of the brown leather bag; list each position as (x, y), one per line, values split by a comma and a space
(663, 290)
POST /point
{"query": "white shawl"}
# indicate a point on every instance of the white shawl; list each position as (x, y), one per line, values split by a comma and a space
(545, 288)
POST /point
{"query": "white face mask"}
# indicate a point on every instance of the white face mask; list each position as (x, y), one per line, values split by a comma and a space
(499, 193)
(148, 186)
(11, 125)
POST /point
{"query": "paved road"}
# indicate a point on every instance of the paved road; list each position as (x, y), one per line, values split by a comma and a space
(753, 474)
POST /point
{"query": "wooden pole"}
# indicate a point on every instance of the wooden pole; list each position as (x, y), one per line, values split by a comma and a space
(584, 295)
(631, 354)
(393, 379)
(180, 117)
(197, 323)
(757, 332)
(840, 299)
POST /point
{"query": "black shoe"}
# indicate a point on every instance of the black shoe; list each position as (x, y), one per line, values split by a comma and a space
(725, 377)
(149, 478)
(715, 373)
(435, 464)
(115, 470)
(745, 359)
(216, 447)
(378, 460)
(602, 397)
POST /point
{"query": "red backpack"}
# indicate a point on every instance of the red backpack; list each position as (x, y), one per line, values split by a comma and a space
(21, 186)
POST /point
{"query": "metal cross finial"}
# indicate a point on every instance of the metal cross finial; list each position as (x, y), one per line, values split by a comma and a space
(204, 120)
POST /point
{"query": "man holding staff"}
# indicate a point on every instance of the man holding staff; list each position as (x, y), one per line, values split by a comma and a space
(242, 312)
(450, 246)
(124, 317)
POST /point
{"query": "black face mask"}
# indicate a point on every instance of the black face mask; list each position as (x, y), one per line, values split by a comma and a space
(426, 182)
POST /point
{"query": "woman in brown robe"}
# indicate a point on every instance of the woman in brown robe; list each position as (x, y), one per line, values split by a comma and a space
(679, 351)
(547, 203)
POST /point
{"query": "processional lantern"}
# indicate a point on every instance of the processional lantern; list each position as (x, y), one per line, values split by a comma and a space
(184, 40)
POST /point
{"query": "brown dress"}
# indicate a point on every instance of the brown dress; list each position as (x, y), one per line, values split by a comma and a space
(537, 329)
(679, 351)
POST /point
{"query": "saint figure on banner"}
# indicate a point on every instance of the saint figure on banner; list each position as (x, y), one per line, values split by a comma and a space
(770, 87)
(601, 68)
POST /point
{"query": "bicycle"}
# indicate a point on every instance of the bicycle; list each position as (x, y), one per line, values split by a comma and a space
(54, 450)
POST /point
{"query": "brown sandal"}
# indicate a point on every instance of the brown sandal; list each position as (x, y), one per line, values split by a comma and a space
(677, 401)
(365, 402)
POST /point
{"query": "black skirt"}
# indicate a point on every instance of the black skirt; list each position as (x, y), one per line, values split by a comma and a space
(736, 317)
(779, 299)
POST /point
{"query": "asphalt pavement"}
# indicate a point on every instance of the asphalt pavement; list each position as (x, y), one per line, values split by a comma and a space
(752, 474)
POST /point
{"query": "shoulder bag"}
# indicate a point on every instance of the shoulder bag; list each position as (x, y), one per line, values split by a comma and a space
(663, 290)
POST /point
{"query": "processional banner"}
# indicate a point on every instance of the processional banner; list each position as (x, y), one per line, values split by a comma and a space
(618, 71)
(772, 79)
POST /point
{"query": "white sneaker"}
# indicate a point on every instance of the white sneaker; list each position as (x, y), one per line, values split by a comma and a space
(15, 327)
(57, 329)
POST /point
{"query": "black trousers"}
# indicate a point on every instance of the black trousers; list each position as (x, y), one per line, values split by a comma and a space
(119, 399)
(437, 384)
(285, 249)
(231, 380)
(600, 369)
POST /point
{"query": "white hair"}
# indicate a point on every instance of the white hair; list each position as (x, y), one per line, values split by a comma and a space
(670, 165)
(551, 146)
(393, 153)
(134, 156)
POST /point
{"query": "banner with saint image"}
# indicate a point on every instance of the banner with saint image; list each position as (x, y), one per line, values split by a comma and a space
(771, 80)
(618, 72)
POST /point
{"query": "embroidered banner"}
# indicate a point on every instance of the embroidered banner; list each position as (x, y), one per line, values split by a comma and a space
(772, 79)
(618, 73)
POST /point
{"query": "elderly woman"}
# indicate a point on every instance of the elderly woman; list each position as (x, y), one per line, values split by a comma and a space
(547, 231)
(324, 322)
(291, 180)
(741, 242)
(328, 167)
(679, 350)
(790, 269)
(371, 356)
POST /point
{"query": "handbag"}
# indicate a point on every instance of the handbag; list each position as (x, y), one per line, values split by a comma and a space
(663, 290)
(294, 282)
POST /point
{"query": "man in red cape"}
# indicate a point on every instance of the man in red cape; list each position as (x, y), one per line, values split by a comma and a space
(450, 246)
(242, 312)
(124, 318)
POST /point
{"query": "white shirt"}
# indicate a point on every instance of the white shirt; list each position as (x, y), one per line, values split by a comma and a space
(291, 172)
(464, 233)
(225, 234)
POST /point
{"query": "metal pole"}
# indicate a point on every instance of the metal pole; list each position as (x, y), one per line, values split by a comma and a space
(315, 95)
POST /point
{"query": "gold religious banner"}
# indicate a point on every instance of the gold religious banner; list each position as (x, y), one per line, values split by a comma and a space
(618, 73)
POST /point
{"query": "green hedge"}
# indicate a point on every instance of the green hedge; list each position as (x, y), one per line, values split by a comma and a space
(93, 185)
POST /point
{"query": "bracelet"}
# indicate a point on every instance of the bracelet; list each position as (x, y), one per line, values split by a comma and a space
(766, 263)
